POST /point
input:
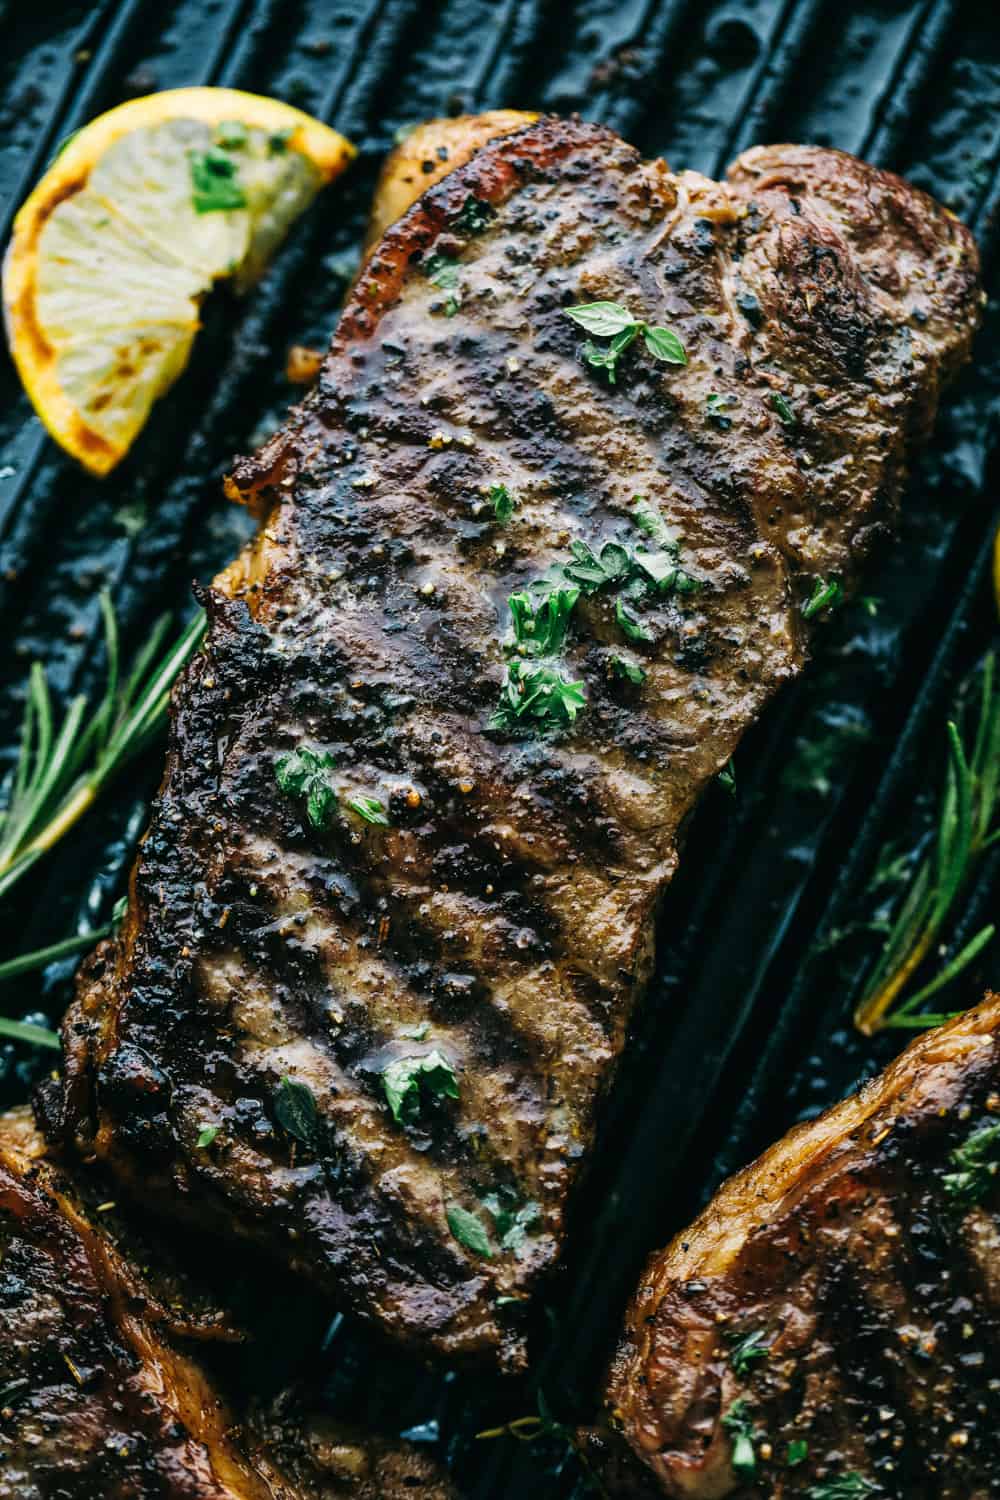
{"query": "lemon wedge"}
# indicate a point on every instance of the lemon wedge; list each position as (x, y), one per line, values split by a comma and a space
(140, 213)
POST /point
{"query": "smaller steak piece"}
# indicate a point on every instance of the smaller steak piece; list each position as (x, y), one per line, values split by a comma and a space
(101, 1394)
(830, 1325)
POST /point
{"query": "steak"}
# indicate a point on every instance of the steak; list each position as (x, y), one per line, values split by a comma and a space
(397, 898)
(830, 1326)
(102, 1393)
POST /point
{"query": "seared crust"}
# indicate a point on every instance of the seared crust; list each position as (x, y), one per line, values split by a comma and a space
(506, 916)
(873, 1281)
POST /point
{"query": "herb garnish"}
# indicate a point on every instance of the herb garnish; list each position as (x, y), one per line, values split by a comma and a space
(474, 216)
(61, 772)
(612, 320)
(371, 809)
(540, 629)
(502, 501)
(978, 1161)
(231, 135)
(824, 595)
(469, 1230)
(295, 1110)
(206, 1137)
(727, 777)
(511, 1220)
(631, 670)
(785, 414)
(304, 774)
(798, 1452)
(407, 1078)
(442, 270)
(214, 184)
(26, 1031)
(965, 819)
(739, 1425)
(532, 691)
(633, 628)
(744, 1355)
(846, 1487)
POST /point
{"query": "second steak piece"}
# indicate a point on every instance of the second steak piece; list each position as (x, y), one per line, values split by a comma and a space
(394, 908)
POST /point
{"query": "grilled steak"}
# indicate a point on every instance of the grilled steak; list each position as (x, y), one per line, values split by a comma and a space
(830, 1326)
(101, 1394)
(398, 895)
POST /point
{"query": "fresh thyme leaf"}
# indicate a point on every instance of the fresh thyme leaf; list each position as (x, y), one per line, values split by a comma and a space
(442, 271)
(405, 1079)
(744, 1355)
(977, 1162)
(604, 319)
(214, 182)
(540, 630)
(24, 1031)
(797, 1453)
(738, 1423)
(630, 669)
(664, 345)
(371, 809)
(846, 1487)
(304, 774)
(534, 694)
(502, 501)
(61, 771)
(469, 1230)
(474, 216)
(824, 596)
(785, 413)
(206, 1136)
(295, 1110)
(633, 628)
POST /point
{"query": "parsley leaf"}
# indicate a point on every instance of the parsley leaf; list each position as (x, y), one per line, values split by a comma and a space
(303, 773)
(502, 501)
(630, 669)
(845, 1487)
(540, 630)
(206, 1136)
(214, 182)
(744, 1355)
(739, 1425)
(633, 628)
(977, 1161)
(442, 270)
(785, 414)
(405, 1079)
(474, 216)
(295, 1110)
(469, 1230)
(371, 809)
(533, 693)
(511, 1221)
(798, 1452)
(824, 596)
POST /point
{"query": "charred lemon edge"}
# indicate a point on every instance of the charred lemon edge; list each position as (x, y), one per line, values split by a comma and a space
(328, 150)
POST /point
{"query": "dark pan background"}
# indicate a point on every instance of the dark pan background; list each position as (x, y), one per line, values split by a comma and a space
(747, 1027)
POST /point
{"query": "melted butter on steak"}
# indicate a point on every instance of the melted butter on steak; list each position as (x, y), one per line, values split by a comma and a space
(505, 917)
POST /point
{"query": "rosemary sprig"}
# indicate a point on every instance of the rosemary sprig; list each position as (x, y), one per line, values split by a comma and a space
(61, 771)
(40, 958)
(964, 833)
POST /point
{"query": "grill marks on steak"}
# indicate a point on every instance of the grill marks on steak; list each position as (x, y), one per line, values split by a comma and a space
(509, 908)
(875, 1289)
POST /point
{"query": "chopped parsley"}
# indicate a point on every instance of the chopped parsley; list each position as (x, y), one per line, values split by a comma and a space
(797, 1453)
(214, 181)
(536, 695)
(469, 1230)
(371, 809)
(785, 414)
(304, 774)
(612, 321)
(977, 1162)
(502, 501)
(623, 667)
(591, 572)
(409, 1079)
(745, 1354)
(442, 271)
(824, 596)
(474, 216)
(231, 135)
(540, 629)
(739, 1425)
(295, 1110)
(206, 1136)
(511, 1220)
(632, 627)
(846, 1487)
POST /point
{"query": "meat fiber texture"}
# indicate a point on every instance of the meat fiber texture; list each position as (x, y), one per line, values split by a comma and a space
(838, 1302)
(499, 912)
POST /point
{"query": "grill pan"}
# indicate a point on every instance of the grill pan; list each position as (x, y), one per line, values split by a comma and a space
(746, 1027)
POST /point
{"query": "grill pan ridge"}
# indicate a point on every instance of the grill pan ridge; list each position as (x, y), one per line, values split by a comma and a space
(743, 1030)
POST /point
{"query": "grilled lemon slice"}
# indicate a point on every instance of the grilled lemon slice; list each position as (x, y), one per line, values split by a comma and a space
(114, 250)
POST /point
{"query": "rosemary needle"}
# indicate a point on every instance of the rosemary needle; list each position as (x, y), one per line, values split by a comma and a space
(61, 771)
